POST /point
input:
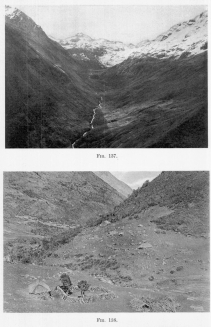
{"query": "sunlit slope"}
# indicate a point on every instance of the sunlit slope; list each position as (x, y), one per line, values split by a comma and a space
(45, 203)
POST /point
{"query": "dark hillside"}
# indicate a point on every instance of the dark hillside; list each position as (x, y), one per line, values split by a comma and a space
(91, 62)
(186, 194)
(49, 100)
(139, 79)
(194, 132)
(150, 102)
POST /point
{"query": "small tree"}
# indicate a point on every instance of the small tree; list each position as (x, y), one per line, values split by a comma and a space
(83, 286)
(145, 183)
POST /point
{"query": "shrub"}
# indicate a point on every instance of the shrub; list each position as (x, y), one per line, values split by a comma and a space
(204, 46)
(83, 286)
(26, 260)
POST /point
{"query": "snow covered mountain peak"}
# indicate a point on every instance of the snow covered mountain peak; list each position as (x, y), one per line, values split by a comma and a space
(104, 50)
(11, 12)
(192, 25)
(79, 37)
(185, 38)
(82, 35)
(19, 20)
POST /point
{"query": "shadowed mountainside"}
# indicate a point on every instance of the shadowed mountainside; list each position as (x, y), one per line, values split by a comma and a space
(150, 102)
(49, 98)
(185, 194)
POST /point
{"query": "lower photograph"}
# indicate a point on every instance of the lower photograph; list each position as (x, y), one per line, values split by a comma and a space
(120, 241)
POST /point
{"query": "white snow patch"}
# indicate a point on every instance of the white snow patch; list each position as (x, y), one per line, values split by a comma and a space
(12, 12)
(59, 68)
(186, 37)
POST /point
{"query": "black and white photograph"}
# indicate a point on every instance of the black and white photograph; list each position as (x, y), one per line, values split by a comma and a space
(105, 163)
(129, 241)
(107, 76)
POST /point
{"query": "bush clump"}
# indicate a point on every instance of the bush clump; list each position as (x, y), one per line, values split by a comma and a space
(83, 286)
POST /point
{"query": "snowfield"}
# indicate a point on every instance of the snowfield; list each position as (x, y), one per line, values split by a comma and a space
(189, 38)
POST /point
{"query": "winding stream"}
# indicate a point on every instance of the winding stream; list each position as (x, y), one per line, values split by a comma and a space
(91, 123)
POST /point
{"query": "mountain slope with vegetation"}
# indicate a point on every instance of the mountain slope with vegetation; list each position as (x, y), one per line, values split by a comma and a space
(49, 98)
(185, 194)
(64, 96)
(150, 102)
(118, 185)
(149, 254)
(55, 201)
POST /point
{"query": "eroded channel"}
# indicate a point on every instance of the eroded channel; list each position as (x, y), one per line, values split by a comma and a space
(91, 123)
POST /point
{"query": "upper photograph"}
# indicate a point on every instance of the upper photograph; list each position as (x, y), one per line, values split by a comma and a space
(106, 77)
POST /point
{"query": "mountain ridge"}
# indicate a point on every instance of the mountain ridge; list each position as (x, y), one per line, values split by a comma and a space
(120, 186)
(186, 38)
(48, 100)
(23, 22)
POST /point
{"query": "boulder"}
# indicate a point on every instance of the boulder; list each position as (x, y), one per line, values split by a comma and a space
(113, 232)
(179, 268)
(105, 223)
(145, 246)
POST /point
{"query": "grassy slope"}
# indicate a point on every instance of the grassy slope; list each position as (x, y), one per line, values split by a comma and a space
(51, 207)
(153, 103)
(45, 107)
(173, 212)
(185, 193)
(108, 254)
(64, 197)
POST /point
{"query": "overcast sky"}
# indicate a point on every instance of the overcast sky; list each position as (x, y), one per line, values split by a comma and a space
(135, 179)
(122, 23)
